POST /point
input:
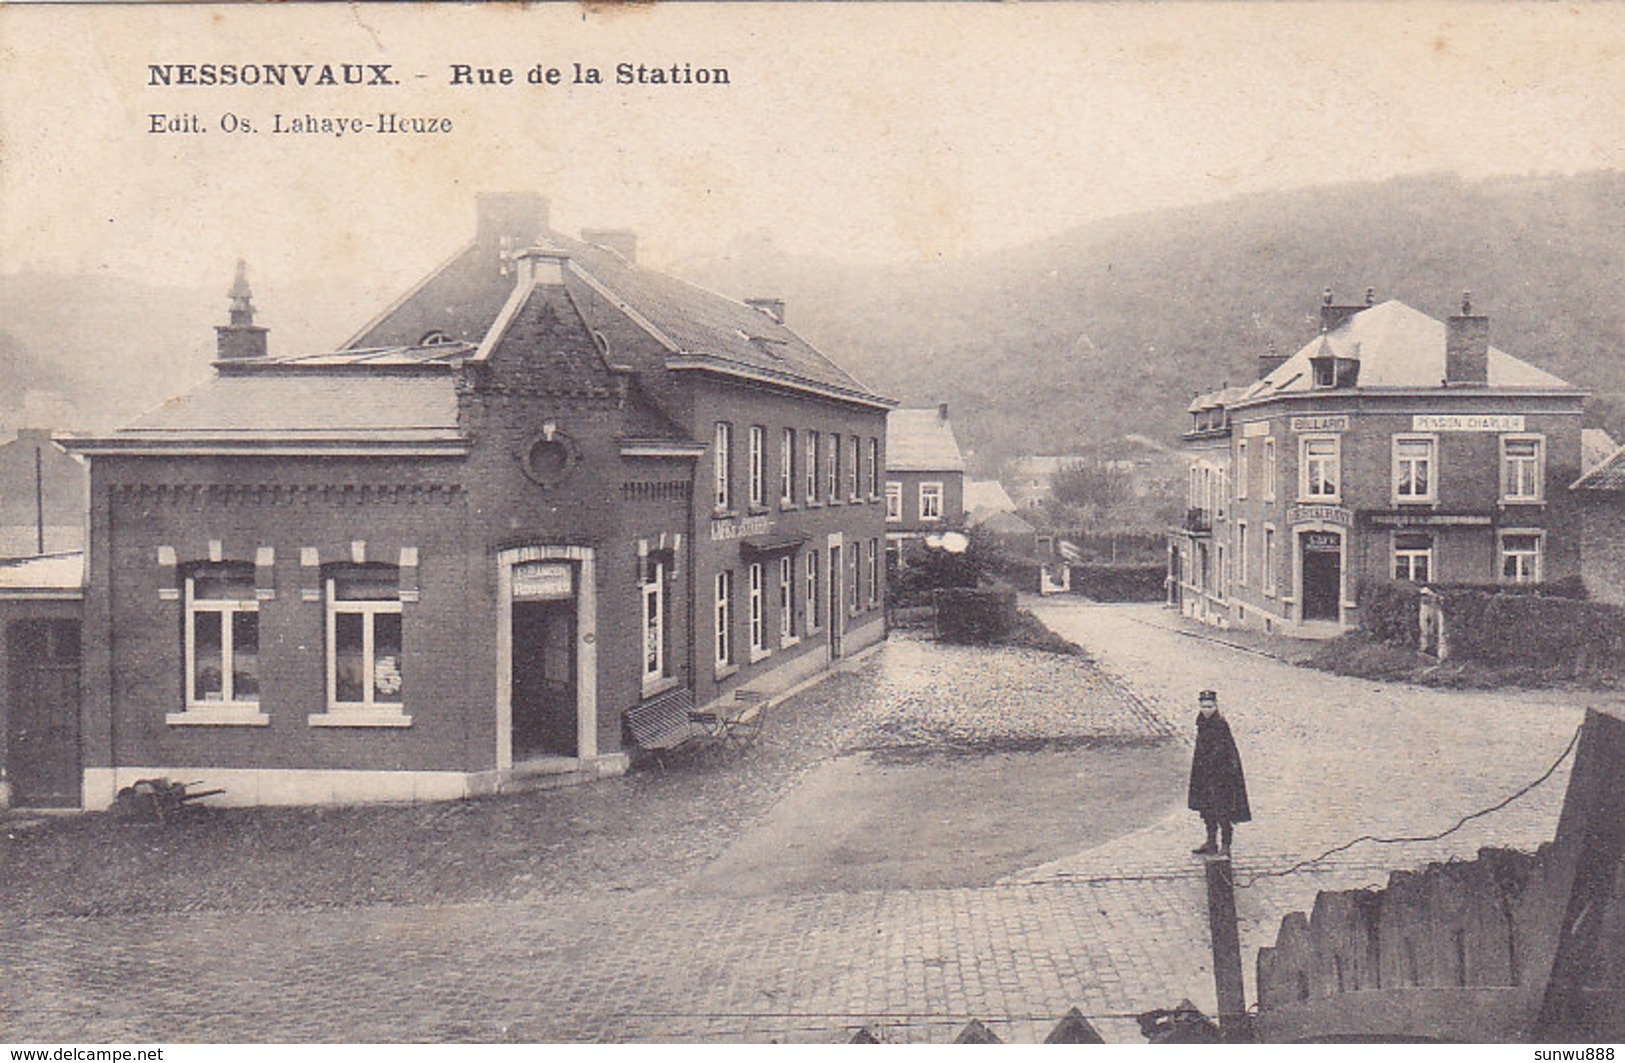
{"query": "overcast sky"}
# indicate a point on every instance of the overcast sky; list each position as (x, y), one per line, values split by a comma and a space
(869, 132)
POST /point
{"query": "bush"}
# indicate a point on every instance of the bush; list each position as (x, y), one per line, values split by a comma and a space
(1388, 611)
(975, 614)
(1120, 583)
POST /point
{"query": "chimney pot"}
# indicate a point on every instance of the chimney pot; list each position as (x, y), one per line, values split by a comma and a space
(1371, 297)
(942, 412)
(773, 308)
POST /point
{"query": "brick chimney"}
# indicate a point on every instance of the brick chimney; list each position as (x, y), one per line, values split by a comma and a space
(1467, 346)
(1333, 316)
(1270, 361)
(510, 221)
(623, 242)
(242, 338)
(773, 308)
(539, 266)
(942, 412)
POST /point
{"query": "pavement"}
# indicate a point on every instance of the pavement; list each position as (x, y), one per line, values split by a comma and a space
(1114, 930)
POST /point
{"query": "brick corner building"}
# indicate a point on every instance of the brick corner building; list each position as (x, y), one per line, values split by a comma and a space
(544, 487)
(1391, 446)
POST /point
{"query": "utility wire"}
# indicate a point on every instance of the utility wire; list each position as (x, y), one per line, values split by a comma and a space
(1462, 822)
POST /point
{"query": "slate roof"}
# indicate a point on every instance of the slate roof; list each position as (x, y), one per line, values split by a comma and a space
(921, 441)
(464, 297)
(1596, 447)
(989, 495)
(1000, 522)
(1608, 476)
(1398, 347)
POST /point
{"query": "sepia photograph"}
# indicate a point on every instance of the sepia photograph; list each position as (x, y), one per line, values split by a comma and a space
(812, 523)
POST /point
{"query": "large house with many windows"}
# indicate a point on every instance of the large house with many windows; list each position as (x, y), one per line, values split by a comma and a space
(1391, 446)
(544, 488)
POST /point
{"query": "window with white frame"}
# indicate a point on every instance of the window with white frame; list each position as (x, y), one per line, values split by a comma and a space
(894, 500)
(812, 467)
(758, 609)
(1269, 560)
(854, 585)
(1322, 468)
(787, 599)
(832, 465)
(1522, 472)
(811, 598)
(787, 467)
(364, 669)
(222, 637)
(854, 465)
(723, 455)
(1520, 556)
(1269, 469)
(758, 466)
(1413, 556)
(1241, 553)
(931, 501)
(874, 571)
(654, 624)
(724, 618)
(1242, 469)
(1415, 460)
(874, 467)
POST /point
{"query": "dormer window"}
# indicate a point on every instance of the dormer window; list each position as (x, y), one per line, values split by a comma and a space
(1325, 372)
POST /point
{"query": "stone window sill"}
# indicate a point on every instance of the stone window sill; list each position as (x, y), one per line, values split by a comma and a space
(359, 718)
(760, 655)
(723, 671)
(651, 687)
(219, 716)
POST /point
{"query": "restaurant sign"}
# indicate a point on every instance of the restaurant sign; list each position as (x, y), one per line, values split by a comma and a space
(1319, 515)
(724, 530)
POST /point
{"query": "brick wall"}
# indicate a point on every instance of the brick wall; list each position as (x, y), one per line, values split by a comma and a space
(953, 501)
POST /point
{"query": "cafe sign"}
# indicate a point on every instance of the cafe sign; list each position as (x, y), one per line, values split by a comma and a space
(1319, 515)
(1330, 422)
(542, 581)
(724, 530)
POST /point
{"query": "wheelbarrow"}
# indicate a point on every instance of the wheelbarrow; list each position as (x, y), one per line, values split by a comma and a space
(156, 800)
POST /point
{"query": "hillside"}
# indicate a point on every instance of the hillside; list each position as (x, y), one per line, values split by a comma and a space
(1065, 345)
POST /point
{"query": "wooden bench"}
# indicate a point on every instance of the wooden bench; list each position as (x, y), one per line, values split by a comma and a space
(663, 723)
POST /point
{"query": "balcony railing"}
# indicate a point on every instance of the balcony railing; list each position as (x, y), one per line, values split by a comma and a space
(1199, 520)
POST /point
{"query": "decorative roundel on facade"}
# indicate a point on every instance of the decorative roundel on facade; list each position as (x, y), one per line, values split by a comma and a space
(550, 457)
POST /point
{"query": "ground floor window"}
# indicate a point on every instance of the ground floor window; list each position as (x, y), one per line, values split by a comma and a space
(1520, 557)
(1269, 560)
(812, 590)
(787, 605)
(364, 637)
(222, 636)
(854, 581)
(758, 610)
(1413, 557)
(724, 616)
(874, 571)
(654, 623)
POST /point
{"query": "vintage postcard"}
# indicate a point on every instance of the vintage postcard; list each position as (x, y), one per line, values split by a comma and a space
(811, 523)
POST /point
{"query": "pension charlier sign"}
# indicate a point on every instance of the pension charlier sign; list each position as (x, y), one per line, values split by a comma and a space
(729, 528)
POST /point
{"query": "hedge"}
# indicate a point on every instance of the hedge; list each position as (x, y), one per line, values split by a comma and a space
(975, 614)
(1542, 625)
(1120, 583)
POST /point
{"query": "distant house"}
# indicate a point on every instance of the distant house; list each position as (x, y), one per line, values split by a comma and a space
(983, 498)
(1601, 494)
(925, 475)
(1028, 478)
(41, 599)
(1393, 446)
(44, 496)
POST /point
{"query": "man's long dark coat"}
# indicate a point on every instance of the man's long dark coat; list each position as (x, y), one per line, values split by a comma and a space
(1218, 788)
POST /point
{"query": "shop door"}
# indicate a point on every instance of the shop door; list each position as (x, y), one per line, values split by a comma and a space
(42, 720)
(544, 679)
(1322, 575)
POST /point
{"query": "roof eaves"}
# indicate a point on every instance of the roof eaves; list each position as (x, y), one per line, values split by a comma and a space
(688, 360)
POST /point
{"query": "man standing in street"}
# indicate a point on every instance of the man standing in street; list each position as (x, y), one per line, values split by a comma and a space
(1218, 789)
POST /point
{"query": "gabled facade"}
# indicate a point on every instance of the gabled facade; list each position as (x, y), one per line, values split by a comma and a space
(925, 475)
(1392, 446)
(544, 487)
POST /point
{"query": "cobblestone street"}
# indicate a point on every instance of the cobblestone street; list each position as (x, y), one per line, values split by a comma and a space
(634, 950)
